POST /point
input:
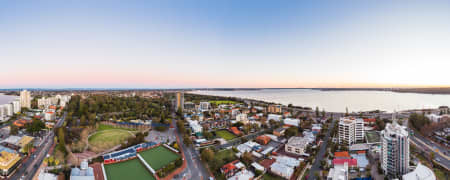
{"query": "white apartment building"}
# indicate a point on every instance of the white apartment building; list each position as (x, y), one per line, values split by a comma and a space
(2, 113)
(44, 102)
(25, 99)
(50, 116)
(8, 109)
(395, 150)
(204, 106)
(195, 126)
(242, 118)
(291, 122)
(274, 117)
(351, 130)
(16, 106)
(296, 145)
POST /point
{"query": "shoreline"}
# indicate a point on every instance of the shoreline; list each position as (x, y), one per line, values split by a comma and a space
(306, 108)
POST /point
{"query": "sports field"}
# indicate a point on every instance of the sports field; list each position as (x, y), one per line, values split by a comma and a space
(107, 137)
(159, 157)
(222, 102)
(131, 169)
(225, 134)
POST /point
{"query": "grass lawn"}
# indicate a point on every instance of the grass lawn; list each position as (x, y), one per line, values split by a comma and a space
(222, 102)
(102, 127)
(107, 137)
(225, 155)
(225, 134)
(271, 177)
(159, 157)
(131, 169)
(439, 173)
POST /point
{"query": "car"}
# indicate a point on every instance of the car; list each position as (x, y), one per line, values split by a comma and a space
(437, 159)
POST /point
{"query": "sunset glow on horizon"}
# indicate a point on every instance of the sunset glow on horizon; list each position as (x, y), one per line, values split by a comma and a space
(224, 44)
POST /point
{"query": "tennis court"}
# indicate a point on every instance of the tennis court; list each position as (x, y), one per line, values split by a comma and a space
(131, 169)
(159, 157)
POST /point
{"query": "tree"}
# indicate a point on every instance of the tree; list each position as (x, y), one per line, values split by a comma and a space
(83, 120)
(35, 126)
(247, 158)
(207, 134)
(317, 112)
(323, 113)
(14, 130)
(51, 159)
(187, 140)
(207, 155)
(292, 131)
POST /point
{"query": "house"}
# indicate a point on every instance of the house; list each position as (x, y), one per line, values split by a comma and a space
(263, 139)
(352, 163)
(284, 166)
(242, 175)
(230, 169)
(279, 131)
(369, 121)
(342, 155)
(296, 145)
(242, 118)
(21, 122)
(339, 172)
(316, 128)
(274, 117)
(50, 116)
(291, 122)
(235, 131)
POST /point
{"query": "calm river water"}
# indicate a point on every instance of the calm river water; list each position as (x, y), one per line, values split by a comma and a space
(338, 101)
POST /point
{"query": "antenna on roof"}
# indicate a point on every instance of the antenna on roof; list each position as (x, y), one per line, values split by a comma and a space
(394, 117)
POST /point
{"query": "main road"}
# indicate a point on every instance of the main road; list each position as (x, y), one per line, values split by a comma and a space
(28, 169)
(195, 169)
(323, 148)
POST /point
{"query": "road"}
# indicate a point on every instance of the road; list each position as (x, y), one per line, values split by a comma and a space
(195, 169)
(323, 148)
(430, 146)
(30, 167)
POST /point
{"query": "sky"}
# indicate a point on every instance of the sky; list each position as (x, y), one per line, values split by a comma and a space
(224, 44)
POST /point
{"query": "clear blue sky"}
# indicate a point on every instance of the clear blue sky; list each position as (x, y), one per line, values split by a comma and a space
(229, 43)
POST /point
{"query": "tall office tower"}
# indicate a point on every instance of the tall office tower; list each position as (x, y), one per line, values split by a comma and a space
(180, 100)
(25, 99)
(395, 150)
(351, 130)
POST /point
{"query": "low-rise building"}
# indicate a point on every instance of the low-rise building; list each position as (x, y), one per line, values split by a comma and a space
(83, 173)
(296, 145)
(9, 160)
(242, 118)
(421, 172)
(339, 172)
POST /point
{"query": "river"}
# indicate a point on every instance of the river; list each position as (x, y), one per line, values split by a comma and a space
(338, 101)
(4, 99)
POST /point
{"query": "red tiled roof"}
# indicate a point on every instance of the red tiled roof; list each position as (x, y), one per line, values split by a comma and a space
(351, 162)
(343, 154)
(361, 152)
(370, 120)
(235, 130)
(266, 163)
